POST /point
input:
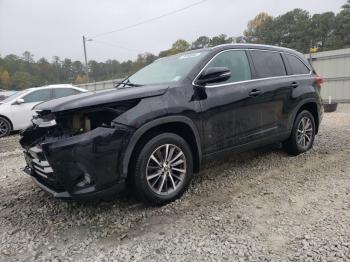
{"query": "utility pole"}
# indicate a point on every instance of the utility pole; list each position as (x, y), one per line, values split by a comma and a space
(85, 56)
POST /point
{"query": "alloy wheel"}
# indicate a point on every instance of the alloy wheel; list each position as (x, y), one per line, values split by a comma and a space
(305, 132)
(166, 169)
(4, 127)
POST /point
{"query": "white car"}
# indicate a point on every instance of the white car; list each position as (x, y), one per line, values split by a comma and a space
(16, 111)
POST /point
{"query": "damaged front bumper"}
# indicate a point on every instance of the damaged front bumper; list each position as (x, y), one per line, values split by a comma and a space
(88, 165)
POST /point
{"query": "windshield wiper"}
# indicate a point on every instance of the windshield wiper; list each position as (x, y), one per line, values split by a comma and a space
(125, 83)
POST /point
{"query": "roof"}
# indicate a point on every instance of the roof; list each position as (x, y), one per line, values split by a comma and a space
(51, 86)
(55, 86)
(243, 46)
(255, 46)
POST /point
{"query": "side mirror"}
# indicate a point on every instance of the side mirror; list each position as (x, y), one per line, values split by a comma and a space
(213, 75)
(19, 101)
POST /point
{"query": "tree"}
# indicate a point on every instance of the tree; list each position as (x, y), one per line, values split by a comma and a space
(142, 60)
(293, 30)
(81, 79)
(57, 68)
(28, 57)
(11, 63)
(220, 39)
(77, 68)
(323, 30)
(200, 42)
(125, 68)
(164, 53)
(260, 29)
(5, 80)
(179, 46)
(45, 71)
(67, 73)
(240, 39)
(342, 27)
(22, 80)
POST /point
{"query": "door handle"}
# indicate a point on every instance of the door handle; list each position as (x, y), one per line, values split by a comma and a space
(294, 84)
(254, 92)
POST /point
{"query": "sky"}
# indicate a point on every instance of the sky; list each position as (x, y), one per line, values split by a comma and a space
(50, 28)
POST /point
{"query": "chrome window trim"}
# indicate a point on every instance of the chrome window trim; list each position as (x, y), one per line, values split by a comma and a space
(250, 80)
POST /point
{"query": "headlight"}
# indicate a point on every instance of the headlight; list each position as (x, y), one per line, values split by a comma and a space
(44, 120)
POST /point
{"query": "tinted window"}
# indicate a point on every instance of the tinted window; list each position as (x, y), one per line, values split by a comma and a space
(62, 92)
(38, 96)
(296, 66)
(268, 64)
(236, 61)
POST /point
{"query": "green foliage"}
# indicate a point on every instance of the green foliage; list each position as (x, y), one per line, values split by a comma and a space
(296, 29)
(293, 30)
(220, 40)
(22, 80)
(5, 79)
(179, 46)
(201, 42)
(323, 30)
(342, 26)
(260, 29)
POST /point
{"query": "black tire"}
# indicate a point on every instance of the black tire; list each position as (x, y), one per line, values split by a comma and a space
(5, 127)
(293, 145)
(145, 167)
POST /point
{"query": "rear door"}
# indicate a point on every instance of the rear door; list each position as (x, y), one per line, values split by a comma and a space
(275, 92)
(300, 80)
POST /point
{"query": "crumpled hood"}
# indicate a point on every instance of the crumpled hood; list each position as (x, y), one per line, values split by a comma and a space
(88, 99)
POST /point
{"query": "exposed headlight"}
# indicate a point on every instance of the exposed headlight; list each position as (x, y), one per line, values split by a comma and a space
(42, 123)
(44, 120)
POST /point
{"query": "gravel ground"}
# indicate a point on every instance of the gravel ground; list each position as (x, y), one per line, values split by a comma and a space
(261, 205)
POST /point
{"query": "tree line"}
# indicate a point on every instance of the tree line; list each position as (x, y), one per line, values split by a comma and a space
(296, 29)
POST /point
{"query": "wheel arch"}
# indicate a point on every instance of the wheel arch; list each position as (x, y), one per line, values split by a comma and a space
(179, 125)
(9, 120)
(312, 106)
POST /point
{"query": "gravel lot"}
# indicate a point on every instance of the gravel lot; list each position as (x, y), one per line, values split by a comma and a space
(256, 206)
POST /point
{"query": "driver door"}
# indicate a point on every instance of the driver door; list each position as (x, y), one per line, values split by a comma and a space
(231, 111)
(22, 113)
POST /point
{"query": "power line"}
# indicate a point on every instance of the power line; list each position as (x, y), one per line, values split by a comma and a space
(149, 20)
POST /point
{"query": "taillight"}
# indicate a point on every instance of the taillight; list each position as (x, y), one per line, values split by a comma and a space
(319, 80)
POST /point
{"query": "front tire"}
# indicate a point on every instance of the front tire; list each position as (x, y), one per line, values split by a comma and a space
(5, 127)
(163, 169)
(303, 134)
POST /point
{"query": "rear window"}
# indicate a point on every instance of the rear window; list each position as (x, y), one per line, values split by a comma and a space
(268, 64)
(296, 66)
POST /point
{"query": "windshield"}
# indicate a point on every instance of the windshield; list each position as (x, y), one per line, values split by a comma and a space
(14, 96)
(167, 70)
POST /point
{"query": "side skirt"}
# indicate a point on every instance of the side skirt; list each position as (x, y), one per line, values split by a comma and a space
(247, 146)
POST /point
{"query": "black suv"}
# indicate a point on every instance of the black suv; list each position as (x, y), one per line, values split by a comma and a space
(159, 125)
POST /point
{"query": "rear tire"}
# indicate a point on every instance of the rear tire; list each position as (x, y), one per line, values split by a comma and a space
(163, 169)
(303, 134)
(5, 127)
